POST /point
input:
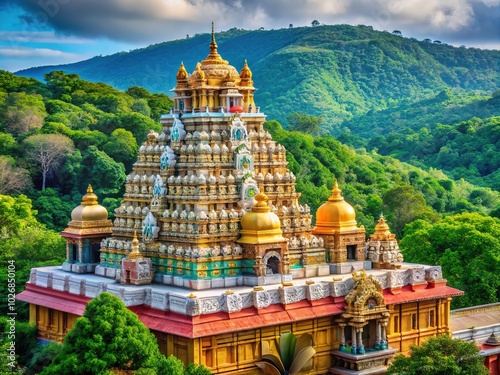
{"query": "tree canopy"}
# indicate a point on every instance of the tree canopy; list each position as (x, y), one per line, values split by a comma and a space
(439, 356)
(467, 246)
(108, 338)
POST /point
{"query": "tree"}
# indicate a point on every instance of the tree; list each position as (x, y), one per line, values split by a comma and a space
(403, 204)
(26, 241)
(24, 112)
(48, 150)
(122, 147)
(307, 124)
(315, 23)
(101, 171)
(440, 355)
(107, 336)
(141, 106)
(13, 180)
(467, 246)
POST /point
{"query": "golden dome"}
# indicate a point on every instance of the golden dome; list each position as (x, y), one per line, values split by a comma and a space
(246, 73)
(214, 66)
(89, 209)
(182, 73)
(260, 225)
(382, 231)
(335, 215)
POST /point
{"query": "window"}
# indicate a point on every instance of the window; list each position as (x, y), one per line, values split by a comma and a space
(396, 324)
(413, 321)
(431, 318)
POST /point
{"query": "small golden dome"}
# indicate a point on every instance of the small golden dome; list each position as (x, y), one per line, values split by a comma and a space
(89, 209)
(260, 225)
(182, 73)
(246, 73)
(198, 74)
(335, 215)
(382, 231)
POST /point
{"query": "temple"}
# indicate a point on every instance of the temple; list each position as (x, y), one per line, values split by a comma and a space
(213, 250)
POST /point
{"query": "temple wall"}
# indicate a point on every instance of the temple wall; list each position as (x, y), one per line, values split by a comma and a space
(413, 323)
(51, 324)
(236, 353)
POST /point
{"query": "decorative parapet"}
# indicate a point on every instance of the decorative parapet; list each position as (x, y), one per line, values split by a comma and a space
(179, 300)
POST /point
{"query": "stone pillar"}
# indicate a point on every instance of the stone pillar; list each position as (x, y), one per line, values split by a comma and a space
(354, 344)
(342, 336)
(379, 333)
(361, 348)
(80, 245)
(383, 341)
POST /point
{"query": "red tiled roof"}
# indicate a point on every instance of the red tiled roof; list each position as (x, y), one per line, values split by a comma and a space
(222, 322)
(406, 294)
(53, 299)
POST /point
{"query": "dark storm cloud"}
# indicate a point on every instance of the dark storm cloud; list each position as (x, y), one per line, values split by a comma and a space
(470, 21)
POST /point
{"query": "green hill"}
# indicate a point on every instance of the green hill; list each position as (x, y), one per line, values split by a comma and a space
(338, 72)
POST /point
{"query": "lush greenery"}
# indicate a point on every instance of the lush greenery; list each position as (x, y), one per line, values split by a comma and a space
(27, 242)
(57, 137)
(335, 72)
(373, 184)
(467, 247)
(440, 355)
(456, 133)
(109, 338)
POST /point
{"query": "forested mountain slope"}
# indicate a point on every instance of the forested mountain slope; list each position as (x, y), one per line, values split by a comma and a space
(336, 72)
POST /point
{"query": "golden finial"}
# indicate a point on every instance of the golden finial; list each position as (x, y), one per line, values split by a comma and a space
(213, 44)
(192, 295)
(258, 288)
(336, 193)
(229, 291)
(261, 205)
(135, 253)
(90, 198)
(309, 282)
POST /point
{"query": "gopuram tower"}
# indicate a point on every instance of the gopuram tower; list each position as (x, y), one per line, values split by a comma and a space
(194, 182)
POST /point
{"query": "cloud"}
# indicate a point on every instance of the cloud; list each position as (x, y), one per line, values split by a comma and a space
(36, 52)
(39, 37)
(149, 21)
(17, 58)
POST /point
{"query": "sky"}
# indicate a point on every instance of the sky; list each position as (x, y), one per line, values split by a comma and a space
(52, 32)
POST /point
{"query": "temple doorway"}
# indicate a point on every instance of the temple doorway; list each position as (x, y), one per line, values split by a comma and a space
(273, 264)
(351, 252)
(272, 261)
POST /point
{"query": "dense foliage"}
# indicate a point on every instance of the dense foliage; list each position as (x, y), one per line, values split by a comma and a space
(108, 338)
(61, 135)
(456, 133)
(373, 184)
(335, 72)
(467, 247)
(27, 242)
(440, 355)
